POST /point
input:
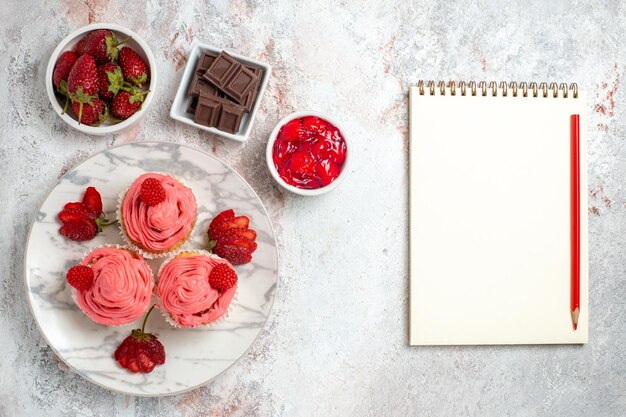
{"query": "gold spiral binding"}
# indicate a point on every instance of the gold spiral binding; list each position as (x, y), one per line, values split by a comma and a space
(442, 88)
(483, 87)
(524, 88)
(503, 88)
(555, 90)
(420, 86)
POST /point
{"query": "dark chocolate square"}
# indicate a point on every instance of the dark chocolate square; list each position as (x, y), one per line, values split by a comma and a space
(206, 89)
(207, 111)
(205, 61)
(240, 83)
(230, 118)
(221, 69)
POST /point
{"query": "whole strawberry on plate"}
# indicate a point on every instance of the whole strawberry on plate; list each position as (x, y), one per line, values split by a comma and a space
(83, 220)
(135, 69)
(141, 351)
(101, 44)
(231, 238)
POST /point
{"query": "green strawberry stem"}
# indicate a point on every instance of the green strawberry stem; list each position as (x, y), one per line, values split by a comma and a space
(67, 102)
(143, 325)
(104, 222)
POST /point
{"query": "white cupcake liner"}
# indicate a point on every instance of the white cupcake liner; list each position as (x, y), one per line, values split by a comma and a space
(166, 314)
(146, 253)
(74, 291)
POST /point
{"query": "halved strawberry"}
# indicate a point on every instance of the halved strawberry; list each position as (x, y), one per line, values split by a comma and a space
(239, 222)
(236, 255)
(219, 219)
(70, 214)
(246, 244)
(234, 234)
(230, 238)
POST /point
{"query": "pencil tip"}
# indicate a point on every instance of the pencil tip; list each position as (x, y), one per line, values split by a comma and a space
(575, 314)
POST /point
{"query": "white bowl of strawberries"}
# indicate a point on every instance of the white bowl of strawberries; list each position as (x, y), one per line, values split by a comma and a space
(101, 78)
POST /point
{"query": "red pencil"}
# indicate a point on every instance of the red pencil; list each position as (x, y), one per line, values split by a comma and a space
(575, 192)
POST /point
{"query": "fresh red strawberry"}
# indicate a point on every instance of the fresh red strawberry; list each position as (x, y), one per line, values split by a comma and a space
(152, 192)
(219, 219)
(101, 44)
(110, 80)
(222, 277)
(83, 220)
(91, 113)
(134, 67)
(140, 352)
(75, 214)
(74, 205)
(236, 255)
(93, 200)
(80, 277)
(126, 104)
(62, 67)
(83, 76)
(230, 237)
(235, 234)
(82, 85)
(81, 230)
(239, 222)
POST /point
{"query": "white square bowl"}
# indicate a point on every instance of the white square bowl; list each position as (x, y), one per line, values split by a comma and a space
(181, 100)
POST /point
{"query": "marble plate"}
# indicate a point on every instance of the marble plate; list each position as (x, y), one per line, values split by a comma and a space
(194, 356)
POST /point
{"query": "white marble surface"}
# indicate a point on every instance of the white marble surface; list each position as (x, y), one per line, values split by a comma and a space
(336, 341)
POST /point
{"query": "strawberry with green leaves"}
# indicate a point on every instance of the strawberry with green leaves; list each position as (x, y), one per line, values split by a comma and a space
(101, 44)
(83, 220)
(127, 103)
(91, 113)
(82, 85)
(110, 80)
(135, 69)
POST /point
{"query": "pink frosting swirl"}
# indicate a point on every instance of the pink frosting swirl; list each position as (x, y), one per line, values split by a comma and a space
(161, 227)
(122, 287)
(185, 293)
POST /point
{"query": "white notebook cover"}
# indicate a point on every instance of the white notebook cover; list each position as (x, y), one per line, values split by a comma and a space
(490, 219)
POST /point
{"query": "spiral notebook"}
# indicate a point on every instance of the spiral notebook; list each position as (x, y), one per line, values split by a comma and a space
(490, 214)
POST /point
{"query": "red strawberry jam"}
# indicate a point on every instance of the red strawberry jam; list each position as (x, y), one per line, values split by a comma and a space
(309, 152)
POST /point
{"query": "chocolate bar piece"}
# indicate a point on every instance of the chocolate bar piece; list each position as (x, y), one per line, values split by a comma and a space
(231, 77)
(222, 69)
(213, 111)
(230, 118)
(207, 111)
(205, 61)
(250, 98)
(240, 83)
(200, 86)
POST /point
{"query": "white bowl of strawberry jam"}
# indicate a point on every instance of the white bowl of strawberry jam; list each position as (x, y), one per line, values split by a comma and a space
(308, 153)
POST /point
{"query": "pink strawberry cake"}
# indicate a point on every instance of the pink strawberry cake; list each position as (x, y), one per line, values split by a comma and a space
(195, 288)
(122, 286)
(157, 214)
